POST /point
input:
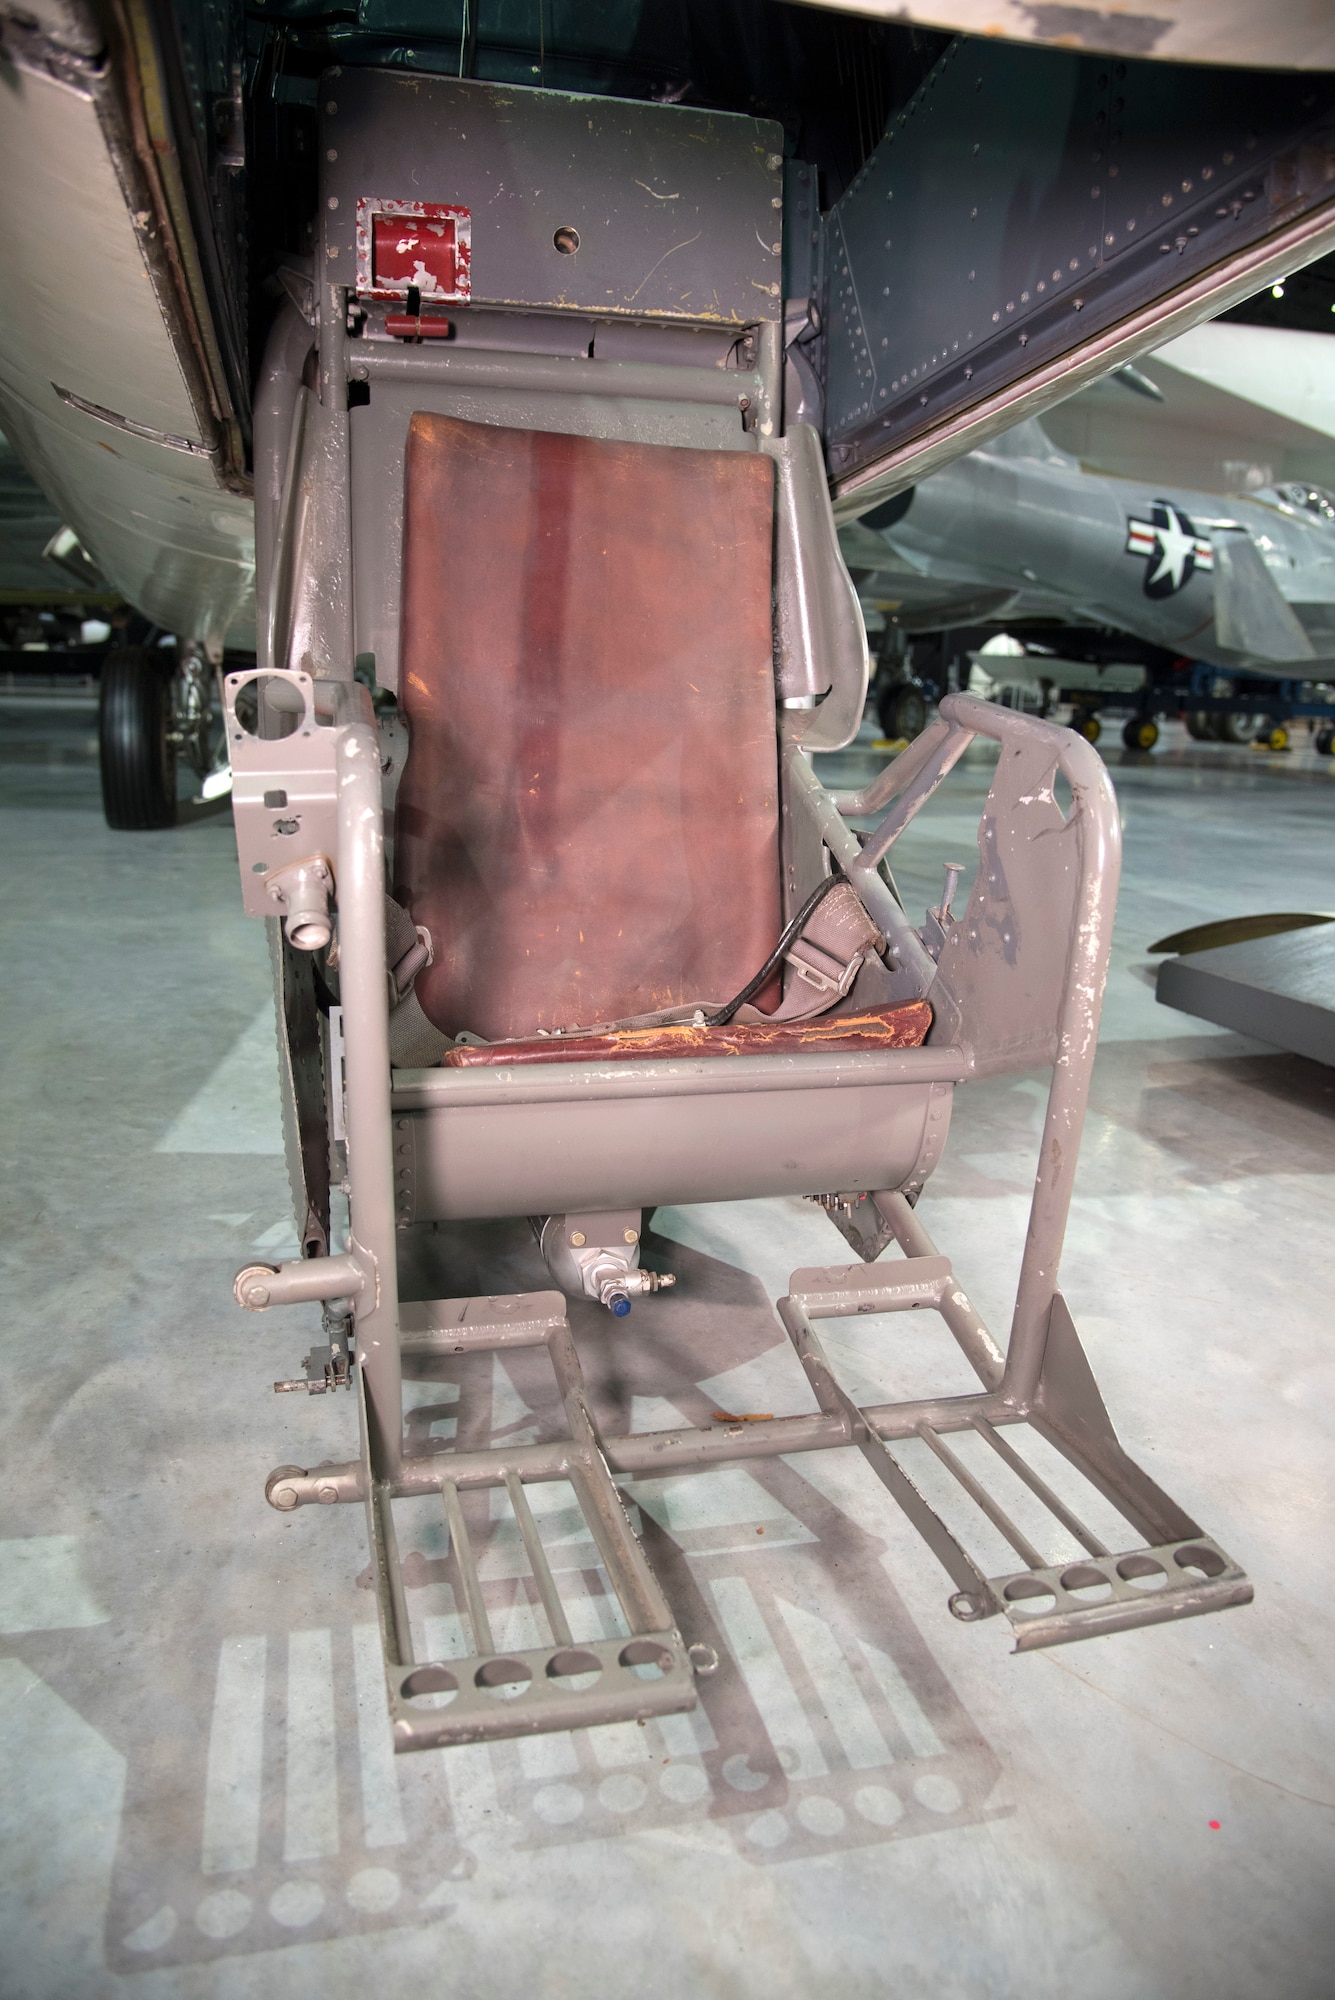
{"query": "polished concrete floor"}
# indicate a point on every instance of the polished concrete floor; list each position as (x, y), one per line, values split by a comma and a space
(196, 1793)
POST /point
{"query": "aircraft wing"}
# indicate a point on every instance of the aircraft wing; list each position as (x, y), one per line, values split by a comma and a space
(1279, 372)
(1240, 408)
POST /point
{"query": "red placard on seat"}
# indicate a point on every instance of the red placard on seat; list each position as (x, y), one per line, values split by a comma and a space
(588, 818)
(422, 246)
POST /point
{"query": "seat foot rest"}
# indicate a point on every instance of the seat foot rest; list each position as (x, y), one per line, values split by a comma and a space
(476, 1689)
(1145, 1586)
(997, 1480)
(1048, 1482)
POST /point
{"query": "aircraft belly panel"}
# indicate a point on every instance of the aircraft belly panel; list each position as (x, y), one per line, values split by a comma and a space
(157, 524)
(73, 240)
(153, 515)
(1033, 217)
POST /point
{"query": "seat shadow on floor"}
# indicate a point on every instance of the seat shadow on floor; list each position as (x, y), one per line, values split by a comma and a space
(273, 1809)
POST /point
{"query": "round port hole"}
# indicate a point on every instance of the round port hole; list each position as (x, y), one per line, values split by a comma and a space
(566, 241)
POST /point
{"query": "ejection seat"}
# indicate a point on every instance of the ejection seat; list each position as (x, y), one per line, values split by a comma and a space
(566, 925)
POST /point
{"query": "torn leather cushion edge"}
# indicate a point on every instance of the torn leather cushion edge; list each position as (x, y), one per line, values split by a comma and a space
(903, 1027)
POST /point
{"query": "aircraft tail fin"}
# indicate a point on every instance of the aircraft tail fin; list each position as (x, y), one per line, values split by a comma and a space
(1250, 613)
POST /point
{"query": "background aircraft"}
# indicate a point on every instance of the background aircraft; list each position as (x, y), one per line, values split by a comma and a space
(1180, 503)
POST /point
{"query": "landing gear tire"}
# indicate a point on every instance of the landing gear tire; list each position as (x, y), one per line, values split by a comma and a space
(901, 711)
(1088, 726)
(1141, 733)
(1198, 725)
(1276, 738)
(1324, 743)
(1233, 727)
(136, 752)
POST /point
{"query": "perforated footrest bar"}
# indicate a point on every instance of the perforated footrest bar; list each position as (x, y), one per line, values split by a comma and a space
(490, 1691)
(1073, 1583)
(1051, 1605)
(1177, 1573)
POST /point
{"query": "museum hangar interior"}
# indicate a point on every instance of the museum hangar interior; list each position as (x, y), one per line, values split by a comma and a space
(667, 738)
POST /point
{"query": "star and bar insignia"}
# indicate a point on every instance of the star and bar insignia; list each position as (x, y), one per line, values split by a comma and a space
(1173, 549)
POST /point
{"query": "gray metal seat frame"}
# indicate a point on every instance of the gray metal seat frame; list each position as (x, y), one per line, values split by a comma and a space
(1014, 982)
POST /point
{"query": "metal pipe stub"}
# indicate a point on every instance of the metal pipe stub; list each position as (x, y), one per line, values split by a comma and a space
(307, 1279)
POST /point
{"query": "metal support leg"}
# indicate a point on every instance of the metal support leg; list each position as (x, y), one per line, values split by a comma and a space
(363, 989)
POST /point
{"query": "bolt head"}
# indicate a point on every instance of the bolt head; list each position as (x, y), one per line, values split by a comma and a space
(326, 1493)
(578, 1238)
(284, 1498)
(631, 1235)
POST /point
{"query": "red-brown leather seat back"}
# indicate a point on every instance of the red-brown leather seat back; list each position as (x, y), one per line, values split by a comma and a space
(588, 818)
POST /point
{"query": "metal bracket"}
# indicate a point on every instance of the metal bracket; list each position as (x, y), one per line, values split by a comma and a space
(284, 786)
(327, 1367)
(858, 1221)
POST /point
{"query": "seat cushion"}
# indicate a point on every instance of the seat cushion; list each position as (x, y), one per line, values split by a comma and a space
(867, 1032)
(588, 818)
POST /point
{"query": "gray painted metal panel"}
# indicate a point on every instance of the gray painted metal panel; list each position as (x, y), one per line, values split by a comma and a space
(488, 1158)
(1027, 201)
(1279, 989)
(820, 640)
(155, 518)
(675, 209)
(801, 230)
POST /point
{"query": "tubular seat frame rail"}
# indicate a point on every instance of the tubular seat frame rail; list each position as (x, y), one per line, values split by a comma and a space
(1042, 1382)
